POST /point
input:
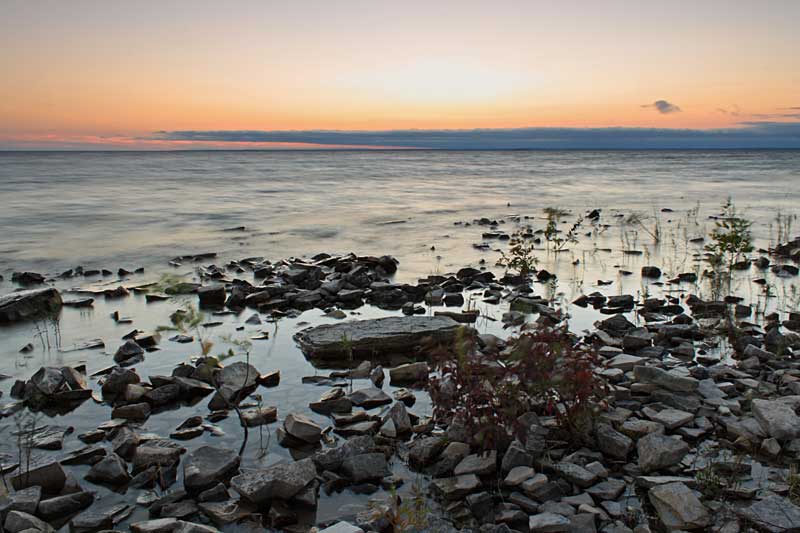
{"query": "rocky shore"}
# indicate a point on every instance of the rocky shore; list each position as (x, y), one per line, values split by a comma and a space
(696, 429)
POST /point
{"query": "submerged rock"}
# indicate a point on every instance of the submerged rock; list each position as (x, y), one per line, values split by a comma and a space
(377, 337)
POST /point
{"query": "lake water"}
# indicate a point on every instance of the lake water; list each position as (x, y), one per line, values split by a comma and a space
(112, 210)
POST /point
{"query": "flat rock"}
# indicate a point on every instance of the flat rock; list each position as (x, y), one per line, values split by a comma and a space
(658, 451)
(281, 481)
(369, 398)
(662, 378)
(25, 305)
(377, 337)
(773, 513)
(548, 523)
(678, 507)
(365, 467)
(457, 487)
(208, 465)
(777, 418)
(17, 521)
(303, 428)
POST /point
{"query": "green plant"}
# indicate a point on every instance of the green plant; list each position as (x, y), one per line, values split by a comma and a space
(793, 482)
(731, 239)
(553, 235)
(520, 256)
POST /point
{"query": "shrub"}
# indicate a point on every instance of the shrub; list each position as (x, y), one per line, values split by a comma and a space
(545, 371)
(520, 256)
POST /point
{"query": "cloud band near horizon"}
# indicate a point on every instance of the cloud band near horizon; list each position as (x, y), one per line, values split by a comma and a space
(754, 134)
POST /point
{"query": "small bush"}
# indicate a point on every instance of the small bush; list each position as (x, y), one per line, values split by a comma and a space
(543, 371)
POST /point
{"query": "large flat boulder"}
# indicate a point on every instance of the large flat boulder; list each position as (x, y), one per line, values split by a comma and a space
(377, 337)
(25, 305)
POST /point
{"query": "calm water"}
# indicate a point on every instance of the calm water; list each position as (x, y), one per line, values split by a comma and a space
(60, 210)
(111, 210)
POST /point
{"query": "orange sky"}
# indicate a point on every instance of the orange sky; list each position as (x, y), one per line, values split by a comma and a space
(81, 69)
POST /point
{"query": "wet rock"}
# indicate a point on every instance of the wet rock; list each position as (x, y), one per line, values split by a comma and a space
(212, 296)
(397, 422)
(134, 411)
(111, 470)
(50, 477)
(163, 453)
(25, 500)
(302, 428)
(479, 464)
(117, 380)
(575, 474)
(548, 523)
(17, 521)
(424, 452)
(61, 507)
(280, 481)
(651, 272)
(369, 398)
(333, 401)
(381, 336)
(25, 305)
(658, 451)
(207, 466)
(332, 458)
(678, 507)
(235, 382)
(258, 416)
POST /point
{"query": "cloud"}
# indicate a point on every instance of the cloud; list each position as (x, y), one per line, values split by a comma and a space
(664, 107)
(753, 134)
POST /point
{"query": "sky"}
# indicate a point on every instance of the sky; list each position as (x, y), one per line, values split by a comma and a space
(92, 74)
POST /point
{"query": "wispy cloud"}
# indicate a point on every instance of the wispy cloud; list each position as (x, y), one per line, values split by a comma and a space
(664, 107)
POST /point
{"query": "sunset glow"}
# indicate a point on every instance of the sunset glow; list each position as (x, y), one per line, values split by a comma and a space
(109, 74)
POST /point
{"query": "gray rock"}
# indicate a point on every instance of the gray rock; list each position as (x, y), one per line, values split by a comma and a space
(60, 507)
(575, 474)
(613, 443)
(258, 416)
(281, 481)
(25, 500)
(658, 451)
(302, 428)
(423, 452)
(17, 521)
(479, 464)
(365, 467)
(455, 488)
(398, 420)
(678, 507)
(662, 378)
(409, 373)
(25, 305)
(235, 381)
(207, 466)
(333, 401)
(548, 523)
(369, 398)
(111, 469)
(134, 411)
(380, 336)
(129, 350)
(50, 477)
(332, 458)
(670, 418)
(773, 513)
(777, 418)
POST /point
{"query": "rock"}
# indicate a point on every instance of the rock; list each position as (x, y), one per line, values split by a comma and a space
(303, 428)
(678, 507)
(773, 513)
(129, 351)
(162, 452)
(61, 507)
(342, 527)
(651, 272)
(377, 337)
(518, 475)
(778, 419)
(212, 295)
(397, 422)
(25, 305)
(111, 469)
(134, 411)
(365, 467)
(369, 398)
(17, 521)
(670, 418)
(235, 382)
(409, 374)
(281, 481)
(424, 452)
(207, 466)
(548, 523)
(667, 380)
(575, 474)
(658, 451)
(50, 477)
(455, 488)
(613, 443)
(333, 401)
(117, 381)
(479, 464)
(258, 416)
(332, 458)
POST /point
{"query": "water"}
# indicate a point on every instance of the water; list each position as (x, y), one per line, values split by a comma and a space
(60, 210)
(111, 210)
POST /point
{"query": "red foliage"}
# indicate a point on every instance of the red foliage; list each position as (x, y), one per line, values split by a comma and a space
(545, 371)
